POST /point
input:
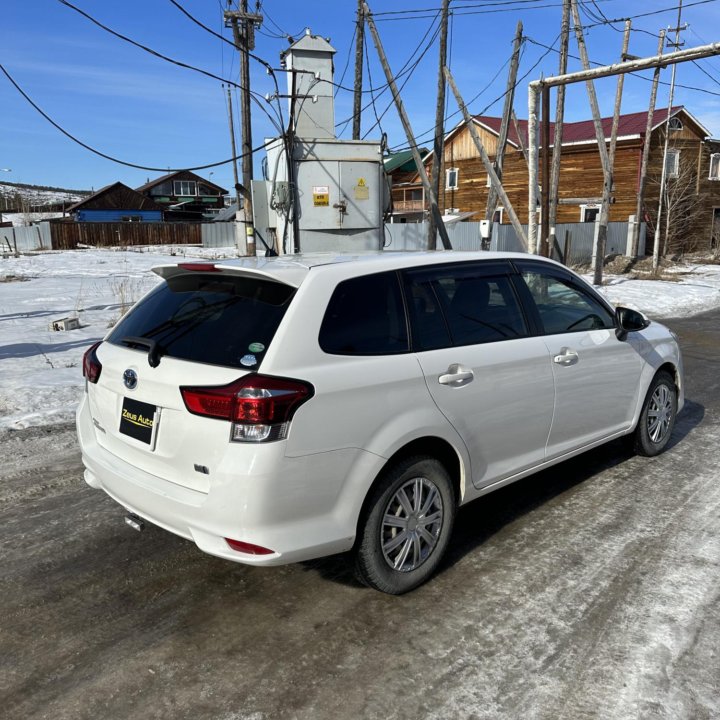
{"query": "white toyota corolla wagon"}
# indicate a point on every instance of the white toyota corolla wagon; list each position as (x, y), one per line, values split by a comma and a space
(275, 410)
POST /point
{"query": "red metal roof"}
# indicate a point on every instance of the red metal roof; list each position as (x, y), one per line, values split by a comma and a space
(584, 130)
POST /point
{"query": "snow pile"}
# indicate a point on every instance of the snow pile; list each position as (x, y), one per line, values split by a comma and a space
(41, 370)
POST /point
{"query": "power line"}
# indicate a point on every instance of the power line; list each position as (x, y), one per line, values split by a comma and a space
(101, 154)
(704, 71)
(179, 63)
(405, 82)
(405, 69)
(347, 62)
(634, 74)
(500, 97)
(283, 33)
(508, 4)
(514, 5)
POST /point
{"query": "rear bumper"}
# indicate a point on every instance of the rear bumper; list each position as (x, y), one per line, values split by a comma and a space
(301, 508)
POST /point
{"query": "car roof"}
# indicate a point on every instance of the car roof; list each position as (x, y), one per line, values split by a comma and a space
(294, 269)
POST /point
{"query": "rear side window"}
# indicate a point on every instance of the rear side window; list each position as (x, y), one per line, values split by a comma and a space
(214, 319)
(365, 316)
(462, 305)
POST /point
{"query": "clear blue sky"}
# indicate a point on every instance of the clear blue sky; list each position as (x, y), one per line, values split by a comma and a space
(144, 110)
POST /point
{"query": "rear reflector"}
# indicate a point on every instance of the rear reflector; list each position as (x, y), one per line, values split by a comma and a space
(91, 365)
(248, 548)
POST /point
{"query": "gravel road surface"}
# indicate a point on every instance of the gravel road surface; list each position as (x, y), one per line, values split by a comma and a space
(588, 591)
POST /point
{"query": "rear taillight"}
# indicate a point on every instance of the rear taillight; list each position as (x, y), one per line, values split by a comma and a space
(259, 406)
(91, 365)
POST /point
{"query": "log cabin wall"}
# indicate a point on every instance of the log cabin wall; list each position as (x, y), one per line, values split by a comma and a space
(581, 177)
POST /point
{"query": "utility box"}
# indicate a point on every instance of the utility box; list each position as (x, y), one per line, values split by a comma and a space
(320, 193)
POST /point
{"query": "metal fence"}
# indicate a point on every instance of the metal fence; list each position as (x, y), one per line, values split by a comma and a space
(27, 238)
(413, 236)
(466, 236)
(398, 236)
(218, 234)
(65, 236)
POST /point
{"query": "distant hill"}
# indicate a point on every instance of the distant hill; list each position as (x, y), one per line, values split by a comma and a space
(21, 196)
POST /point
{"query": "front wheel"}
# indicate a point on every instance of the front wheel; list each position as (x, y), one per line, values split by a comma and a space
(657, 418)
(406, 527)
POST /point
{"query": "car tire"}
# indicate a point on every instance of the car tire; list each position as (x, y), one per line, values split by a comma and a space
(657, 418)
(406, 526)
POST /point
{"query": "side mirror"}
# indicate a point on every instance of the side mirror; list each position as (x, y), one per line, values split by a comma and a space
(629, 321)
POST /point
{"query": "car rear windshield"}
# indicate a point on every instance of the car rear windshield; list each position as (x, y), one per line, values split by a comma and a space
(214, 319)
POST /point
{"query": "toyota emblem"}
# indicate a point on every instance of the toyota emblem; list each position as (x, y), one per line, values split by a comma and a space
(130, 379)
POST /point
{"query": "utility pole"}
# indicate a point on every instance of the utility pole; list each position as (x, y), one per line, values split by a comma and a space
(495, 181)
(359, 46)
(598, 250)
(504, 125)
(439, 141)
(646, 151)
(663, 176)
(243, 26)
(408, 128)
(607, 187)
(559, 119)
(233, 147)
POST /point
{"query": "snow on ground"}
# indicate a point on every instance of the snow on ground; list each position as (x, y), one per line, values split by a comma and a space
(697, 289)
(41, 370)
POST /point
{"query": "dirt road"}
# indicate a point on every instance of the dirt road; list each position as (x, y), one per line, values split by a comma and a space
(588, 591)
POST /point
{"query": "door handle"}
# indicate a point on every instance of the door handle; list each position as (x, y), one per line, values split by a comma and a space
(566, 357)
(456, 374)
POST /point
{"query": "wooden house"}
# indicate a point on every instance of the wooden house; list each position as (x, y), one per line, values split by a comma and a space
(185, 196)
(408, 195)
(116, 203)
(693, 185)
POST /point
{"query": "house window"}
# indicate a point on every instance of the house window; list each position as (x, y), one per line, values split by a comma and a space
(130, 218)
(185, 187)
(164, 188)
(672, 163)
(715, 166)
(675, 124)
(588, 213)
(451, 179)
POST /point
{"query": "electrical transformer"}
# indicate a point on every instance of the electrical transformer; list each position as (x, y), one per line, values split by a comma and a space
(319, 193)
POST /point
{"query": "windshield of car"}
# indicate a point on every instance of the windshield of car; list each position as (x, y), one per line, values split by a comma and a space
(209, 318)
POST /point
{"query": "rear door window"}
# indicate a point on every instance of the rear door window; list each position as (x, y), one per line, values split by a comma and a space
(217, 319)
(365, 316)
(463, 304)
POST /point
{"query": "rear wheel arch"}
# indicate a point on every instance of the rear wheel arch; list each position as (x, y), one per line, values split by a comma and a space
(433, 447)
(406, 523)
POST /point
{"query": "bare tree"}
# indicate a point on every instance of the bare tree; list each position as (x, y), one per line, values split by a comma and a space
(682, 206)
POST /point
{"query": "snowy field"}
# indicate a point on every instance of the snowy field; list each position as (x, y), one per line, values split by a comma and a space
(41, 370)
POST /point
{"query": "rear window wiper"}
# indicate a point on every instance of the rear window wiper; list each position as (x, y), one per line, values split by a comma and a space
(152, 346)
